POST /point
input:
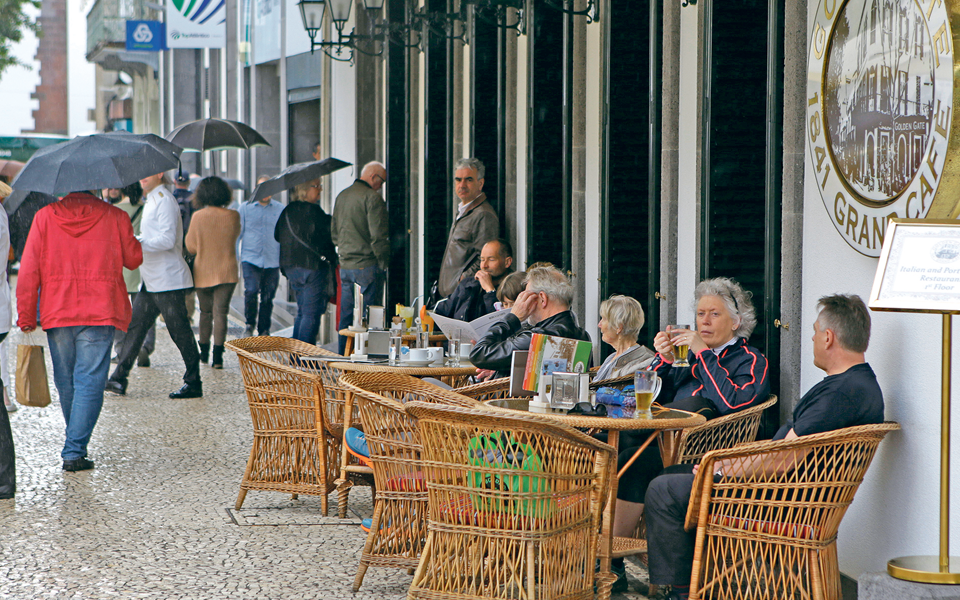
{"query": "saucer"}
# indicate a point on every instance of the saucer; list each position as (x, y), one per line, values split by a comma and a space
(416, 363)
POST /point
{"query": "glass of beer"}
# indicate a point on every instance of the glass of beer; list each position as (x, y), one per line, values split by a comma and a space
(644, 388)
(679, 352)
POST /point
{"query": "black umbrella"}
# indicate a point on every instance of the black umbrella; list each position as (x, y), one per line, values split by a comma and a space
(296, 174)
(216, 134)
(95, 162)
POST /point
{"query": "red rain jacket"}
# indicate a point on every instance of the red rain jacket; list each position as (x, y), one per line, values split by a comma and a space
(73, 259)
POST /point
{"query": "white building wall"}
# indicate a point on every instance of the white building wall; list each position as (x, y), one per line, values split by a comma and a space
(896, 512)
(688, 147)
(343, 123)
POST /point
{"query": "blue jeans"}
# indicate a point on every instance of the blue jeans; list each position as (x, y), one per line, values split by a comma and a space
(371, 286)
(81, 361)
(310, 288)
(263, 283)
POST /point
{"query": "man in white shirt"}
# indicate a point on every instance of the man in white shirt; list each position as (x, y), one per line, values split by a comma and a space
(166, 279)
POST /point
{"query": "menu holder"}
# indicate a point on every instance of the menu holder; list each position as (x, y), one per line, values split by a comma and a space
(919, 272)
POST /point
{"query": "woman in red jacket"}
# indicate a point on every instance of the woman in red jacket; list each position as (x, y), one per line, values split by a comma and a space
(75, 253)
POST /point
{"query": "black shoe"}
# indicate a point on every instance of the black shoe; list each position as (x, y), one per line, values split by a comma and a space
(248, 332)
(217, 361)
(77, 464)
(204, 353)
(116, 387)
(620, 585)
(189, 390)
(143, 359)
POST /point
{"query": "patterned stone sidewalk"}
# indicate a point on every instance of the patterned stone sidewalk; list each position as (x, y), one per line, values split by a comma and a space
(155, 519)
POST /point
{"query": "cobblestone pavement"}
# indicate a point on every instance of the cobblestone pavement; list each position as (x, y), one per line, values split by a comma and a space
(155, 518)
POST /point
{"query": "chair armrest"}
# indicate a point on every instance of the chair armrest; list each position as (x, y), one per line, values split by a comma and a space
(800, 470)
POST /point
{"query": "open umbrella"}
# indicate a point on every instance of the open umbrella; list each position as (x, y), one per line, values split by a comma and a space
(9, 168)
(95, 162)
(216, 134)
(296, 174)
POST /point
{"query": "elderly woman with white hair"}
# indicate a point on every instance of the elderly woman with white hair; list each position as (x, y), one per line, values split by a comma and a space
(725, 375)
(621, 318)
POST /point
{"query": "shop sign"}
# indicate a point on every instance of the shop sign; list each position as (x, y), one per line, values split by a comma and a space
(881, 105)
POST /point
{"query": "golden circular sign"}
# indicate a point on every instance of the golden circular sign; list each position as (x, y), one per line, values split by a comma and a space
(881, 100)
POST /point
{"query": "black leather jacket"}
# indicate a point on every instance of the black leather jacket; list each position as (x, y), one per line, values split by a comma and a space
(495, 350)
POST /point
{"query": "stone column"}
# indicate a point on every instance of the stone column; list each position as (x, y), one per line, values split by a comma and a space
(669, 161)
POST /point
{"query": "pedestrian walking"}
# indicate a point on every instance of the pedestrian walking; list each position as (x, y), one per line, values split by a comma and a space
(75, 254)
(360, 230)
(259, 261)
(166, 279)
(130, 201)
(8, 462)
(212, 237)
(307, 257)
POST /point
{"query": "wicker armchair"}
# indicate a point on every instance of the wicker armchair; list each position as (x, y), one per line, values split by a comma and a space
(493, 389)
(723, 432)
(514, 509)
(398, 531)
(293, 450)
(775, 536)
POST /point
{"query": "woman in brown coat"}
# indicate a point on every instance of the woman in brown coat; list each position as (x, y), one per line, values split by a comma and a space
(213, 238)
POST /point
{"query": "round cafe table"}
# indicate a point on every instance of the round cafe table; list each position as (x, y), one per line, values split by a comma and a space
(668, 424)
(408, 338)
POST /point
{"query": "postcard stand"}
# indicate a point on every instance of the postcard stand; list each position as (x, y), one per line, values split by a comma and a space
(919, 271)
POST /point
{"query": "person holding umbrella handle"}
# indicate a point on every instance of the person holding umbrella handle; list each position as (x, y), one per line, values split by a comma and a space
(166, 279)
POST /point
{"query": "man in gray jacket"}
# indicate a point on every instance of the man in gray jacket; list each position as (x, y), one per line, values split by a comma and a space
(360, 231)
(476, 224)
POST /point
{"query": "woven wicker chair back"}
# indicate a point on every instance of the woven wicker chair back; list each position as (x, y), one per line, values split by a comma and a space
(780, 526)
(723, 432)
(514, 505)
(293, 449)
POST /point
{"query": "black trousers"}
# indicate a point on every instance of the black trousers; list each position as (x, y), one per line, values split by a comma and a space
(8, 459)
(669, 546)
(146, 308)
(634, 483)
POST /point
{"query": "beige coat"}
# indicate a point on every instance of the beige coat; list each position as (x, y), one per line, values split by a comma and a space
(213, 238)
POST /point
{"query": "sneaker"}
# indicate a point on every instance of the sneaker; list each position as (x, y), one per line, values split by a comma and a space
(188, 390)
(367, 524)
(356, 443)
(248, 332)
(143, 359)
(118, 388)
(77, 464)
(12, 406)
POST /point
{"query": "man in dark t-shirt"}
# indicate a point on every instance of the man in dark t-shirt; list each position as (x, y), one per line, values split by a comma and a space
(848, 396)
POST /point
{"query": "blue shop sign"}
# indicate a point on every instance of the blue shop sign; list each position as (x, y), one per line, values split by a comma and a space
(148, 36)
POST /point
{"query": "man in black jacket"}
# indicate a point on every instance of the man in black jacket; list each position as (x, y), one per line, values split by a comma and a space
(475, 296)
(545, 302)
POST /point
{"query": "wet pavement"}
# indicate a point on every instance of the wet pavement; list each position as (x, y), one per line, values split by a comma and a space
(155, 518)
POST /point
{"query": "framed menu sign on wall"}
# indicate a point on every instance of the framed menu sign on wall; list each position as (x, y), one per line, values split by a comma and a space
(919, 268)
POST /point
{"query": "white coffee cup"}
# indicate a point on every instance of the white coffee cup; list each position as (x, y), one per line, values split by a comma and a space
(419, 354)
(465, 349)
(436, 354)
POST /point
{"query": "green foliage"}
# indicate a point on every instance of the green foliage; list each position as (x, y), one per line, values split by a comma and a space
(13, 22)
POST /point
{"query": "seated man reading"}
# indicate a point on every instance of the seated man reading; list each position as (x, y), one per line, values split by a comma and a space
(848, 396)
(545, 302)
(476, 296)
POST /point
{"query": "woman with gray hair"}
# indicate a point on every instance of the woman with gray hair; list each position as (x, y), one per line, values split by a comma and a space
(621, 318)
(725, 375)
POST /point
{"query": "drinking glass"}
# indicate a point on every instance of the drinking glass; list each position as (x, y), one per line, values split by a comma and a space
(454, 350)
(396, 348)
(679, 352)
(644, 388)
(423, 339)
